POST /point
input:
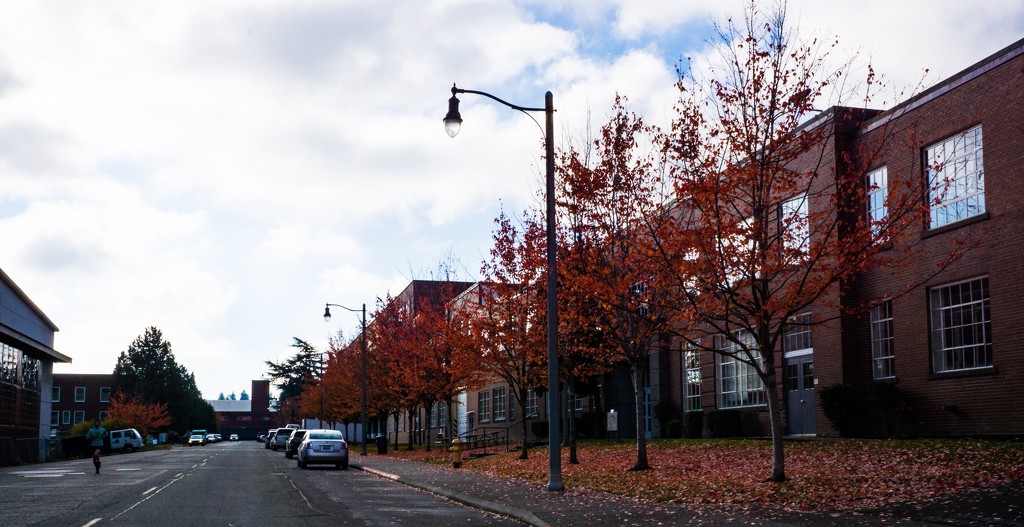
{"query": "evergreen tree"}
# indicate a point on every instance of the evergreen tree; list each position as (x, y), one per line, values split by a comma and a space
(148, 372)
(221, 396)
(292, 374)
(244, 396)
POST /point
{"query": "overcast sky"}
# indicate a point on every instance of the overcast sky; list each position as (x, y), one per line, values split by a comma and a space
(222, 169)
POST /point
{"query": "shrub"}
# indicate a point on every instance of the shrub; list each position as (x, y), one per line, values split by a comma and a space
(725, 423)
(539, 429)
(693, 424)
(674, 429)
(843, 405)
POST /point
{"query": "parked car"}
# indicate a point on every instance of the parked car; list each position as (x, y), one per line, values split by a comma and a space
(280, 438)
(197, 439)
(233, 437)
(211, 438)
(270, 439)
(198, 431)
(292, 446)
(261, 437)
(323, 447)
(127, 440)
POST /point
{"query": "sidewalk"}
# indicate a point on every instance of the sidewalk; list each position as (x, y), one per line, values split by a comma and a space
(534, 505)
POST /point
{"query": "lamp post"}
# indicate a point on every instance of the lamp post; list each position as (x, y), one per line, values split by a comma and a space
(452, 124)
(327, 318)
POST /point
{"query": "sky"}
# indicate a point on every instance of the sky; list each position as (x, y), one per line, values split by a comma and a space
(221, 169)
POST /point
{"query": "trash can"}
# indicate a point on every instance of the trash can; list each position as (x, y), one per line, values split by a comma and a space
(382, 444)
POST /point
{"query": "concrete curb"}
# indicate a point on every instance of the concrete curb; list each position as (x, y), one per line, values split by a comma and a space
(522, 515)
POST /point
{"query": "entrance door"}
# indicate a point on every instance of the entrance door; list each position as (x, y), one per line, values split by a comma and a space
(799, 380)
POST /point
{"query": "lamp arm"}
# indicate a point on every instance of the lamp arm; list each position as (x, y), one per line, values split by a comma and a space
(506, 103)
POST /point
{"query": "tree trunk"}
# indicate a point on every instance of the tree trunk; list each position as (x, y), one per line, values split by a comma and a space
(426, 425)
(778, 430)
(571, 432)
(522, 403)
(396, 418)
(637, 373)
(409, 423)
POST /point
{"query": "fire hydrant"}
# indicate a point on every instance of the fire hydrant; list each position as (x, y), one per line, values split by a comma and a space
(456, 451)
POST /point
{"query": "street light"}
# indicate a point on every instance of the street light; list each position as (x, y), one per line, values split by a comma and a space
(327, 318)
(452, 124)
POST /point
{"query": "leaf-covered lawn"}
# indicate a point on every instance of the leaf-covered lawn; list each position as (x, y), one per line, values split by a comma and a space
(823, 474)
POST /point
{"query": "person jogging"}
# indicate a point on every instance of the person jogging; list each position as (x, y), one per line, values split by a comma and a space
(95, 438)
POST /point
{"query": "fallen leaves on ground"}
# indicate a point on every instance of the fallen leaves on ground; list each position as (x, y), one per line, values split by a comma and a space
(823, 474)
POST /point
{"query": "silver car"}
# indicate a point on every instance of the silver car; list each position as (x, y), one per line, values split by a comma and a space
(324, 447)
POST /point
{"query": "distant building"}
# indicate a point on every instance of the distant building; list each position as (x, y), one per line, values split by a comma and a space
(247, 418)
(26, 375)
(79, 397)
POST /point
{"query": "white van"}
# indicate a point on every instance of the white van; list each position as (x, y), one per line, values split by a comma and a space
(127, 440)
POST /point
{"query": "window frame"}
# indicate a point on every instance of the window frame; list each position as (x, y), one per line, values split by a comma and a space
(105, 398)
(532, 407)
(691, 379)
(483, 406)
(80, 398)
(883, 350)
(748, 388)
(55, 394)
(876, 198)
(940, 333)
(79, 416)
(498, 404)
(954, 176)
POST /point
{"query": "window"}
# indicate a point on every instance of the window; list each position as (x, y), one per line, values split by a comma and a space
(79, 394)
(9, 358)
(956, 178)
(961, 326)
(483, 406)
(66, 417)
(531, 403)
(691, 365)
(798, 334)
(105, 394)
(738, 383)
(79, 416)
(877, 191)
(55, 418)
(440, 417)
(56, 394)
(499, 404)
(511, 405)
(795, 224)
(103, 414)
(883, 356)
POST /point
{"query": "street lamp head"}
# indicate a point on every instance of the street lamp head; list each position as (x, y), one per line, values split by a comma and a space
(327, 313)
(453, 121)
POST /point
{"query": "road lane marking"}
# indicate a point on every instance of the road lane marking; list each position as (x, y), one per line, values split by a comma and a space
(93, 522)
(126, 469)
(148, 491)
(143, 500)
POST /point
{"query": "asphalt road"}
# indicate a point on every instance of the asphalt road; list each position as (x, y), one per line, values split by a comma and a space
(224, 484)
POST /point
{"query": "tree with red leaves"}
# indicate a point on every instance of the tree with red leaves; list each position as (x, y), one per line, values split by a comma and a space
(504, 326)
(769, 221)
(134, 412)
(614, 196)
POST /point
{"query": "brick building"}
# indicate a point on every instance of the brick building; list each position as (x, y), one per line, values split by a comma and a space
(79, 397)
(953, 347)
(26, 375)
(249, 417)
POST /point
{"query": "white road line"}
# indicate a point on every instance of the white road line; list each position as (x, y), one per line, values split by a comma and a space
(93, 522)
(148, 491)
(127, 469)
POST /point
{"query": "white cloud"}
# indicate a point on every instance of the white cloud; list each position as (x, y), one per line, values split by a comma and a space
(223, 169)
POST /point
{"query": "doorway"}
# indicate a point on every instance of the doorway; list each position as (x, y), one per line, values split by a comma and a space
(799, 383)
